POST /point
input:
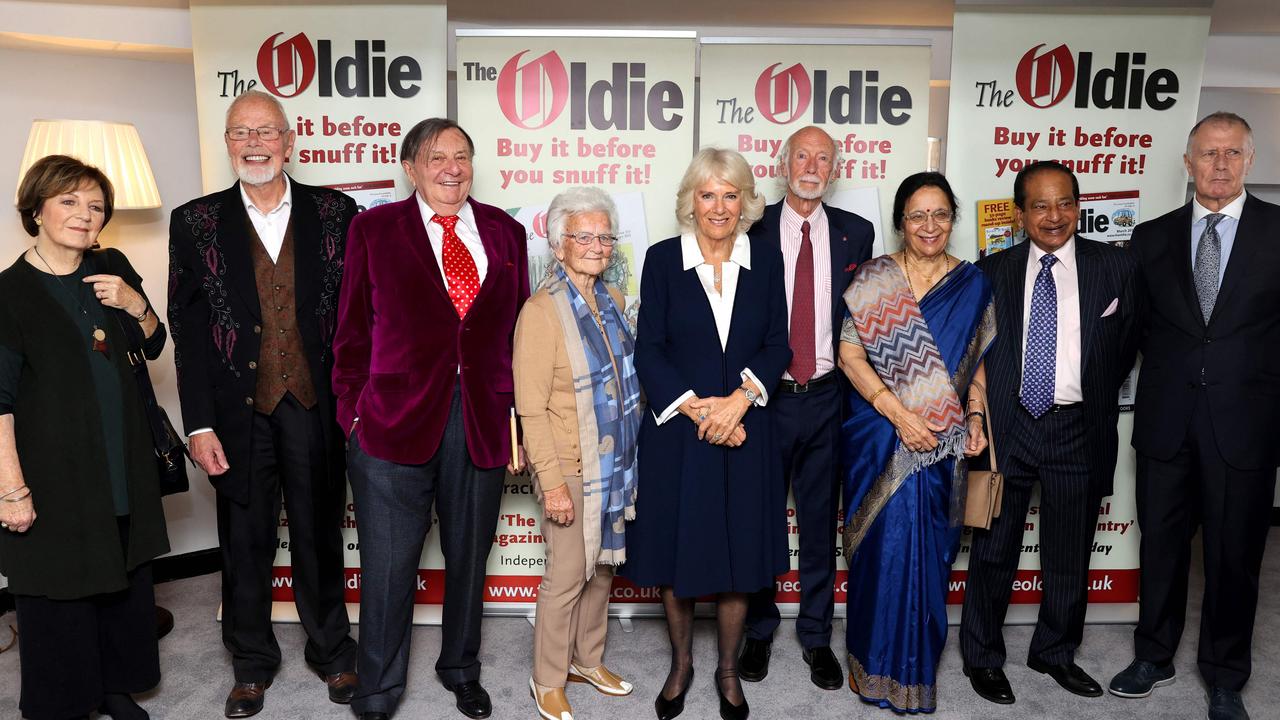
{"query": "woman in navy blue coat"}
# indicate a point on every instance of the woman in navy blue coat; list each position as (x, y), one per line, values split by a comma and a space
(710, 348)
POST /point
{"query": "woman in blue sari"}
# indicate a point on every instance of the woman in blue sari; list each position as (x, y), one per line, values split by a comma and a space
(919, 323)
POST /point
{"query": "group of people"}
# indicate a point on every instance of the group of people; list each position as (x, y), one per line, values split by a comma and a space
(772, 354)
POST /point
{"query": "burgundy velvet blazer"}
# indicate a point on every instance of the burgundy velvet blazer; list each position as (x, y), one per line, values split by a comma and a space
(400, 343)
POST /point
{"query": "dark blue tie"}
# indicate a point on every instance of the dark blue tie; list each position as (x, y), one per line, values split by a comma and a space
(1039, 364)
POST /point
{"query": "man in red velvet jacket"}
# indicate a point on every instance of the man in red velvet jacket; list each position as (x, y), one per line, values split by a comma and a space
(422, 372)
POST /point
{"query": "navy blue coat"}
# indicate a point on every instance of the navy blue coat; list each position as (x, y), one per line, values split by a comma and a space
(708, 518)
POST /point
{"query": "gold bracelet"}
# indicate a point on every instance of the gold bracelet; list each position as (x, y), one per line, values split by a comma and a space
(143, 316)
(7, 493)
(872, 400)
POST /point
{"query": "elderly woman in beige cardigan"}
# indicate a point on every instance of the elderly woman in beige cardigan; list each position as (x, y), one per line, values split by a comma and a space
(579, 403)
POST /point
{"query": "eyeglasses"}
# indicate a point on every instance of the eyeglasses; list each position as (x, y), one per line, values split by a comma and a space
(585, 238)
(266, 133)
(919, 217)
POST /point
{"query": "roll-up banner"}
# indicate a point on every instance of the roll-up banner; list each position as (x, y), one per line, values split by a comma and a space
(1112, 95)
(353, 80)
(871, 96)
(548, 112)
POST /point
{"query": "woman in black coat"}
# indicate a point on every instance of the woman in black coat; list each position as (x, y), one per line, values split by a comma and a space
(710, 348)
(80, 513)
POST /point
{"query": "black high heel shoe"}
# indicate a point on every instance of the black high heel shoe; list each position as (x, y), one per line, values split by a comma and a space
(729, 711)
(668, 709)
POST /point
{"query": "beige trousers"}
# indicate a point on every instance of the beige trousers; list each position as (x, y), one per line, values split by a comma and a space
(572, 612)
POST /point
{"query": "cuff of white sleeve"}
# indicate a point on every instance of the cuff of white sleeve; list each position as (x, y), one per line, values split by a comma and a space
(673, 408)
(198, 431)
(764, 393)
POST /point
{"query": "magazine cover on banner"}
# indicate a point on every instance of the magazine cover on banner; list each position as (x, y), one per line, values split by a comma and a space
(552, 112)
(1114, 106)
(353, 81)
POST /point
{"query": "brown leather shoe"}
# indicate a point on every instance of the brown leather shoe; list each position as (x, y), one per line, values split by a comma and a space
(245, 699)
(342, 686)
(552, 703)
(601, 678)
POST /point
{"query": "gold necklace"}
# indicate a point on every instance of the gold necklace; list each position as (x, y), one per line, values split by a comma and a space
(99, 336)
(946, 265)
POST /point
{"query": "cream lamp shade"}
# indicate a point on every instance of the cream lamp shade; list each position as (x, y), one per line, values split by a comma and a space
(114, 148)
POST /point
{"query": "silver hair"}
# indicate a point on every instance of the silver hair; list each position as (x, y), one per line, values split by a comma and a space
(260, 95)
(837, 159)
(1222, 117)
(576, 201)
(727, 166)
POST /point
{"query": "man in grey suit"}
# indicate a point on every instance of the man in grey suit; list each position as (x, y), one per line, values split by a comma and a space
(1066, 317)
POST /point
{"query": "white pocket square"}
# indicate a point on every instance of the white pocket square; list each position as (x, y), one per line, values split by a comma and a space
(1111, 309)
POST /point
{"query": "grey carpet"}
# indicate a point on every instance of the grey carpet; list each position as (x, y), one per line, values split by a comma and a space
(197, 672)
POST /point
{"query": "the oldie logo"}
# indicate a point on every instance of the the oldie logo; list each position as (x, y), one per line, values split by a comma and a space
(288, 65)
(785, 95)
(532, 94)
(782, 96)
(1045, 78)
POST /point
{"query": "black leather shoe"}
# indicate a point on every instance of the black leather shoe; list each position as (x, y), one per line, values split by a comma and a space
(669, 709)
(1070, 676)
(245, 699)
(1140, 679)
(374, 716)
(729, 711)
(824, 668)
(473, 701)
(1226, 705)
(164, 622)
(753, 663)
(342, 686)
(990, 684)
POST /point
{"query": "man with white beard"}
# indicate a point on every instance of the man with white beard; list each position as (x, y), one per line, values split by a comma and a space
(821, 246)
(253, 296)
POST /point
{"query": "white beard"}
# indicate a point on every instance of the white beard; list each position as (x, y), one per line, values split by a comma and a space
(800, 192)
(254, 174)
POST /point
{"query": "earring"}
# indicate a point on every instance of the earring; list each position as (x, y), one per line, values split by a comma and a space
(39, 221)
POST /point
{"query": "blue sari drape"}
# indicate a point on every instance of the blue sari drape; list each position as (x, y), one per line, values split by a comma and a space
(901, 531)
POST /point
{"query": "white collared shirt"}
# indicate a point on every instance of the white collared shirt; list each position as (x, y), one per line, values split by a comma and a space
(721, 302)
(1067, 387)
(467, 233)
(1226, 228)
(789, 235)
(272, 224)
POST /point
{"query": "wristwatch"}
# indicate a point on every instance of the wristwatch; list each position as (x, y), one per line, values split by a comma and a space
(752, 395)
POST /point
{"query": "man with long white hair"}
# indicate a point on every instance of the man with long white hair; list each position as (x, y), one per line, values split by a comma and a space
(253, 298)
(821, 245)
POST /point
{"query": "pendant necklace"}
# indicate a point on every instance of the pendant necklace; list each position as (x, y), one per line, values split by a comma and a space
(946, 265)
(99, 336)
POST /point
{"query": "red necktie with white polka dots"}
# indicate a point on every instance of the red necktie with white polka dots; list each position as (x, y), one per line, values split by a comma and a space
(459, 266)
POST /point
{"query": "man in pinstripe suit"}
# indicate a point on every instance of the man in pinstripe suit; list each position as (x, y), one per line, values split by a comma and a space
(1066, 316)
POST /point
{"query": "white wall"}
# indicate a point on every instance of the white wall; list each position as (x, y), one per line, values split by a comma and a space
(159, 98)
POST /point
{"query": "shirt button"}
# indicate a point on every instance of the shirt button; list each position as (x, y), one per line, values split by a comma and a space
(279, 308)
(281, 331)
(284, 376)
(253, 365)
(279, 287)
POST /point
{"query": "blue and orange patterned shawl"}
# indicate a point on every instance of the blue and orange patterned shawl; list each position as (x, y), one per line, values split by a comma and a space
(926, 353)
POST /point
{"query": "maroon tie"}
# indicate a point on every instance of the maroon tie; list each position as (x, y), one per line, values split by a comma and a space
(803, 360)
(459, 267)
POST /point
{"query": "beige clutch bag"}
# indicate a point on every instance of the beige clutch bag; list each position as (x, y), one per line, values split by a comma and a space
(985, 487)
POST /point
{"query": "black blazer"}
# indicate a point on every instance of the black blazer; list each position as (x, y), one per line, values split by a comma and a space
(216, 322)
(1108, 346)
(1234, 358)
(850, 237)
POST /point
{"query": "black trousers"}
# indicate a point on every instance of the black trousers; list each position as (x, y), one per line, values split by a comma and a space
(73, 652)
(1197, 489)
(393, 515)
(1050, 450)
(807, 433)
(288, 455)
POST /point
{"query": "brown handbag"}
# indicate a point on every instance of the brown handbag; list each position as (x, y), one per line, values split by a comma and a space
(985, 487)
